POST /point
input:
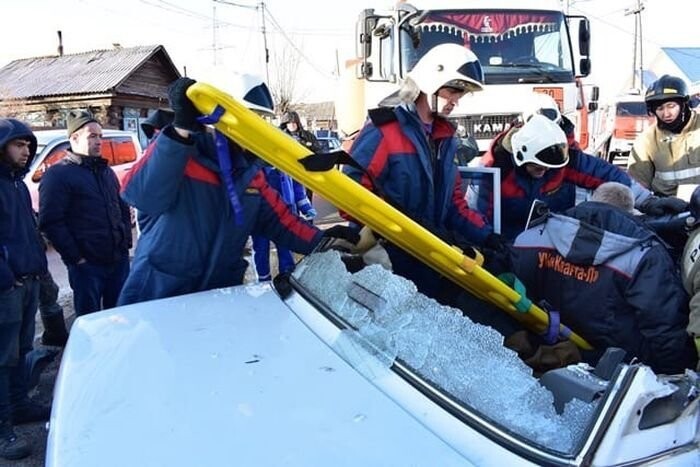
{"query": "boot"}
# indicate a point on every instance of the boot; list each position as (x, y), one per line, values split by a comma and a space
(55, 333)
(11, 447)
(29, 411)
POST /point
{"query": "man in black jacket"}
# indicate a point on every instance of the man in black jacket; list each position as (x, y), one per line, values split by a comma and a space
(612, 281)
(81, 213)
(22, 261)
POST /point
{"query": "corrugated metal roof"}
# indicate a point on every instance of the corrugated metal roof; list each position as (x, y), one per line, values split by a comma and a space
(93, 72)
(687, 59)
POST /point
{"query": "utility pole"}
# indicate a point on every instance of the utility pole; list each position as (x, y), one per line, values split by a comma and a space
(637, 12)
(267, 51)
(213, 32)
(261, 7)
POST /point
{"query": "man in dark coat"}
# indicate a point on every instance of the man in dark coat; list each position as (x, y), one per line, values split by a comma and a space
(612, 281)
(85, 219)
(22, 261)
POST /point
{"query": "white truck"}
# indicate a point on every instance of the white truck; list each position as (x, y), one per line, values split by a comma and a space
(522, 46)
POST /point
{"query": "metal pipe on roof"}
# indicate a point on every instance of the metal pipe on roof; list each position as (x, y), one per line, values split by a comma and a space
(60, 43)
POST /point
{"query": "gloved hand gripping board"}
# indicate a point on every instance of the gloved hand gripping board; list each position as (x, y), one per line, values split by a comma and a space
(253, 133)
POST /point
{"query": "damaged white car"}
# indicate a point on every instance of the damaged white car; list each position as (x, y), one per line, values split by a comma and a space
(334, 369)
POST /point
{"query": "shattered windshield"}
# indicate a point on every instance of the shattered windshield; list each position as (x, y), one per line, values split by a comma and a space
(513, 46)
(464, 360)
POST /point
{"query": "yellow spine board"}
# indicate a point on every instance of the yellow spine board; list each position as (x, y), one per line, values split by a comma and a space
(282, 151)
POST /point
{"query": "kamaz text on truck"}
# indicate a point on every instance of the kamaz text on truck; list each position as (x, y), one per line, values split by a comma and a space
(522, 46)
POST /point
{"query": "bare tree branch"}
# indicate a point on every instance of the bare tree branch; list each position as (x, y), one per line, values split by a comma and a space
(283, 79)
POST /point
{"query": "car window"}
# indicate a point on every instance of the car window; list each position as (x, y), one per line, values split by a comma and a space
(118, 150)
(54, 156)
(637, 109)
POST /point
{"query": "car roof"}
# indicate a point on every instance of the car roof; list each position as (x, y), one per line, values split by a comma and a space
(44, 137)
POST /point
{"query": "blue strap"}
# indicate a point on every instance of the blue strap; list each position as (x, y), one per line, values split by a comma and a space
(551, 335)
(224, 157)
(212, 118)
(523, 304)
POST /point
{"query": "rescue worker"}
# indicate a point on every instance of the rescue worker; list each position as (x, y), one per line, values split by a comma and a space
(690, 270)
(292, 192)
(611, 280)
(155, 122)
(541, 160)
(204, 196)
(294, 196)
(408, 155)
(667, 154)
(291, 124)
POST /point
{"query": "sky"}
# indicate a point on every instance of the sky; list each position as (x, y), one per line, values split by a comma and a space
(319, 33)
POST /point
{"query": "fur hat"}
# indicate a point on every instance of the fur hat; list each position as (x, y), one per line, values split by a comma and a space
(77, 119)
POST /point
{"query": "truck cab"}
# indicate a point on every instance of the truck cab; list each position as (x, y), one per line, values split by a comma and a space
(521, 48)
(621, 122)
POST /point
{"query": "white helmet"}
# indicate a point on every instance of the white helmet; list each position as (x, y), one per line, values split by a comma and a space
(253, 92)
(540, 141)
(543, 104)
(250, 89)
(448, 65)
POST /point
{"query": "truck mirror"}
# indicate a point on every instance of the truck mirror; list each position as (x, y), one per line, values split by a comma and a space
(592, 106)
(584, 37)
(366, 23)
(585, 66)
(595, 93)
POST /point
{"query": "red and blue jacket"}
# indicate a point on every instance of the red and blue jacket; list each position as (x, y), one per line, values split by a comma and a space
(192, 241)
(413, 168)
(560, 189)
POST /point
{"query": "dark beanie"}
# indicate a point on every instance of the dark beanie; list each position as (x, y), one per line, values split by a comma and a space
(78, 119)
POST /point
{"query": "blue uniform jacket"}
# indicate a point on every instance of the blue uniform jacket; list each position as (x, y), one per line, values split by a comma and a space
(192, 242)
(613, 282)
(292, 192)
(559, 188)
(21, 250)
(416, 172)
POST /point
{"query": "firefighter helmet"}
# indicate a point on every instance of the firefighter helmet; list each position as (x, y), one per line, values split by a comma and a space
(448, 65)
(665, 88)
(540, 141)
(253, 92)
(543, 104)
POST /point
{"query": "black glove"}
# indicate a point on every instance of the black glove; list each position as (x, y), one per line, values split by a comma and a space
(343, 232)
(655, 206)
(185, 112)
(497, 255)
(494, 242)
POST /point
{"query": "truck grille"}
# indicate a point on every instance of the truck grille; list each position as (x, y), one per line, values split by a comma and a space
(486, 126)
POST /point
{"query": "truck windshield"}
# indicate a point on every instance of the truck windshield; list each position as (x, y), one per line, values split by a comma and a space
(631, 109)
(513, 46)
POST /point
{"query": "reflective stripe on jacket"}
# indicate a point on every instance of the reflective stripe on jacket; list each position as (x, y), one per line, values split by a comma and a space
(661, 160)
(612, 281)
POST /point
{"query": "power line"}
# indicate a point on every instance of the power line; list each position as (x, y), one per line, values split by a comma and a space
(294, 46)
(630, 33)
